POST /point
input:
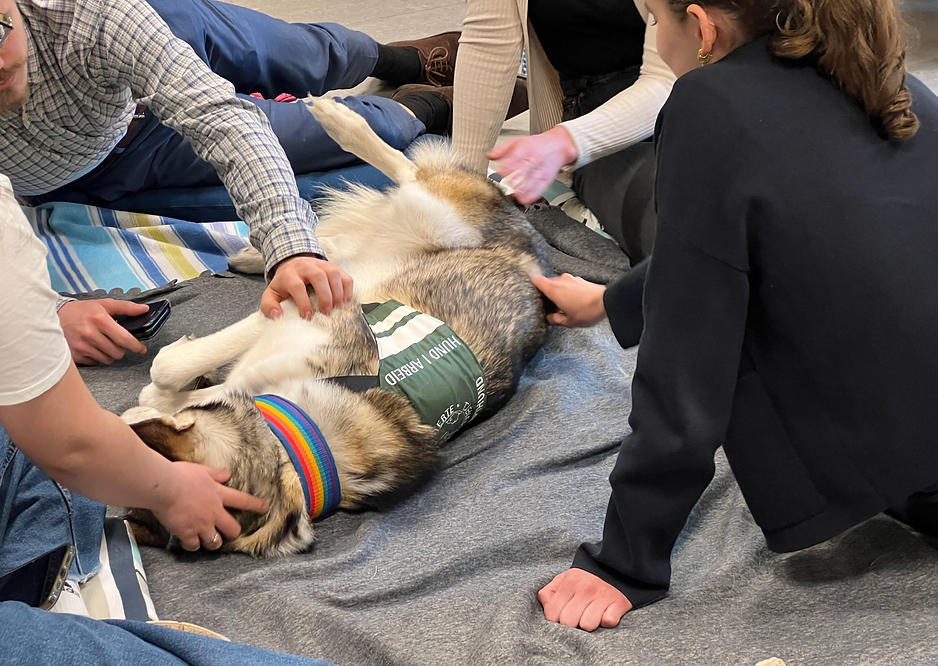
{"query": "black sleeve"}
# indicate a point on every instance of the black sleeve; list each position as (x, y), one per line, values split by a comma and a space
(623, 303)
(695, 307)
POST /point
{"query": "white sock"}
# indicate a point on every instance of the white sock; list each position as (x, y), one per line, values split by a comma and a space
(70, 600)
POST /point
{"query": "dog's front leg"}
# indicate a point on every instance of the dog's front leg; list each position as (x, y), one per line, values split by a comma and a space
(179, 364)
(170, 402)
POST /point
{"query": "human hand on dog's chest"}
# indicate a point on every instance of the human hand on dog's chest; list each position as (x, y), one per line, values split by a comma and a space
(332, 285)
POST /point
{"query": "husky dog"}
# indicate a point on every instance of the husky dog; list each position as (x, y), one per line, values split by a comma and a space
(443, 245)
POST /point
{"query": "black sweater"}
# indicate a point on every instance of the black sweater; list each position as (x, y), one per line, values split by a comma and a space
(791, 315)
(589, 37)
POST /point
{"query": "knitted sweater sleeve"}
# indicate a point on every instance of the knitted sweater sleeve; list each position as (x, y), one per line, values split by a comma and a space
(494, 33)
(486, 67)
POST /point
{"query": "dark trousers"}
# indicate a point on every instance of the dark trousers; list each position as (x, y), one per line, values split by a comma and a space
(919, 511)
(618, 188)
(256, 53)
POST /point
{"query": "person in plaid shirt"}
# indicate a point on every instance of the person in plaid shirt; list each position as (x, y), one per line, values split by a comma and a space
(110, 97)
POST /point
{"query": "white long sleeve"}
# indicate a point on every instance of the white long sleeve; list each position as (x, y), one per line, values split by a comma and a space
(630, 116)
(494, 32)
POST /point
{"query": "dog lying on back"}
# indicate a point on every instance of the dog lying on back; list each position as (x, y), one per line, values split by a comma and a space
(348, 410)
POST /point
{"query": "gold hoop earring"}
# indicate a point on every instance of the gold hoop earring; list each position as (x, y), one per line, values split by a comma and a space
(703, 59)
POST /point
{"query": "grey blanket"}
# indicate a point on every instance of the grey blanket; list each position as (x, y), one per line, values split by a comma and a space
(575, 249)
(450, 575)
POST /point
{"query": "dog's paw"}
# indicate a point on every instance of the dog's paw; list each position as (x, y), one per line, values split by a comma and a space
(170, 369)
(337, 119)
(204, 381)
(184, 340)
(164, 400)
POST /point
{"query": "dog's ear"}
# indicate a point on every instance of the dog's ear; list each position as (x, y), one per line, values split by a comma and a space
(166, 434)
(138, 415)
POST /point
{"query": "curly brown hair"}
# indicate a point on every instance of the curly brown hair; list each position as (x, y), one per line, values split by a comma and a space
(857, 43)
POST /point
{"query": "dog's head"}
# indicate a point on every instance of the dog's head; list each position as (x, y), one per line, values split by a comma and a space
(380, 447)
(230, 434)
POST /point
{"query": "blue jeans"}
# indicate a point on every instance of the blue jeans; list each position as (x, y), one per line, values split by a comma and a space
(36, 515)
(256, 53)
(29, 636)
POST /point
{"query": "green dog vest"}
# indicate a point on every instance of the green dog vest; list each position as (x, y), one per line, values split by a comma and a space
(423, 360)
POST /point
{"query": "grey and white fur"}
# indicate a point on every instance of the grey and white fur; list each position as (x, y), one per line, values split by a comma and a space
(443, 241)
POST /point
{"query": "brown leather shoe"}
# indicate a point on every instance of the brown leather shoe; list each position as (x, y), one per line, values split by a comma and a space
(410, 88)
(437, 57)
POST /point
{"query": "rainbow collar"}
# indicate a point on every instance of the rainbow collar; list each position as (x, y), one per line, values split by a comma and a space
(308, 450)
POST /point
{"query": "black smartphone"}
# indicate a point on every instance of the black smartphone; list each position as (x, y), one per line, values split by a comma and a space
(146, 325)
(39, 582)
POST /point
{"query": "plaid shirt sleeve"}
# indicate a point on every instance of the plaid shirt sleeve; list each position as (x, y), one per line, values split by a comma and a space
(135, 46)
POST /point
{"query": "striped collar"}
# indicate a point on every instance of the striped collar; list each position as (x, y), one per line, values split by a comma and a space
(308, 451)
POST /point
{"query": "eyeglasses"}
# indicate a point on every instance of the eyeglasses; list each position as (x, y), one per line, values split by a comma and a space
(6, 27)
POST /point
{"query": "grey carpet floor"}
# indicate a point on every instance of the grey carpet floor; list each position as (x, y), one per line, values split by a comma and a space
(450, 575)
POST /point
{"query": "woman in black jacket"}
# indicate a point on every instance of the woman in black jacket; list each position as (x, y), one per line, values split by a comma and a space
(791, 304)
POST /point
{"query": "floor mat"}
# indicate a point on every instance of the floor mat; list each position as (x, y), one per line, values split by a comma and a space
(450, 575)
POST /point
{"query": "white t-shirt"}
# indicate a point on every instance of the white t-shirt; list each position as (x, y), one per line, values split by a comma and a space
(33, 353)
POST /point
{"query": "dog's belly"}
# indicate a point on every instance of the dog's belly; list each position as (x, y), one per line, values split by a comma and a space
(294, 349)
(487, 298)
(281, 352)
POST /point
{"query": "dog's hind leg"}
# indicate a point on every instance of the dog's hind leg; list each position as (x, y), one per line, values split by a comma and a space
(354, 135)
(179, 364)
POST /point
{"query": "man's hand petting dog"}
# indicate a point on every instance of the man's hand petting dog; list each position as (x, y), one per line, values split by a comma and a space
(579, 303)
(577, 598)
(332, 285)
(194, 507)
(93, 336)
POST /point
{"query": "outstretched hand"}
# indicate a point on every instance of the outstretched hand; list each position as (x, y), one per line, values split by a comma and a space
(332, 285)
(579, 303)
(530, 164)
(93, 336)
(195, 508)
(577, 598)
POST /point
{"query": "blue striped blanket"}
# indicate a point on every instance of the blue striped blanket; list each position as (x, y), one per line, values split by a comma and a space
(96, 248)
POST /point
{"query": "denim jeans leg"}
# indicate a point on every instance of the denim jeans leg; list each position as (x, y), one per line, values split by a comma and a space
(260, 53)
(37, 515)
(31, 637)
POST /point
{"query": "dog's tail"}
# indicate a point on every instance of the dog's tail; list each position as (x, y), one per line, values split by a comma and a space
(352, 133)
(248, 260)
